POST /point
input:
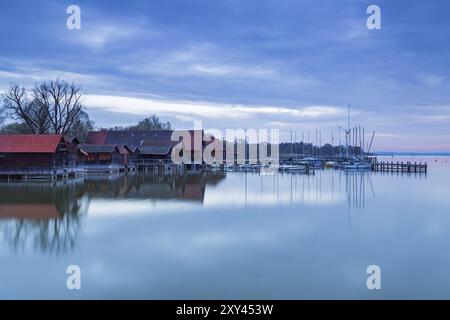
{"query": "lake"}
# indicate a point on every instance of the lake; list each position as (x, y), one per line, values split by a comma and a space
(229, 236)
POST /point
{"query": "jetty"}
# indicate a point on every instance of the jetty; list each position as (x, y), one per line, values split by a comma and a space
(400, 167)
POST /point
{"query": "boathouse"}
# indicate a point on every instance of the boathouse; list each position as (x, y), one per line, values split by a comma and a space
(126, 155)
(26, 155)
(153, 153)
(151, 144)
(72, 143)
(99, 155)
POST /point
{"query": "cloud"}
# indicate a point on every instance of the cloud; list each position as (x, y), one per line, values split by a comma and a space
(354, 30)
(99, 36)
(29, 77)
(209, 61)
(100, 32)
(202, 110)
(37, 74)
(431, 80)
(27, 72)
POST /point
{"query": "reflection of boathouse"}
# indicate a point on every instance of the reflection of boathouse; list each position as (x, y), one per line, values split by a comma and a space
(152, 187)
(39, 201)
(44, 215)
(48, 215)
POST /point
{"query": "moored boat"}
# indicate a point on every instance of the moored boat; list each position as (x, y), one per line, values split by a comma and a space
(357, 166)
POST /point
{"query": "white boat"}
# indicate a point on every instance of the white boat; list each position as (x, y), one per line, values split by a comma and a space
(247, 167)
(330, 164)
(230, 167)
(216, 167)
(292, 167)
(357, 166)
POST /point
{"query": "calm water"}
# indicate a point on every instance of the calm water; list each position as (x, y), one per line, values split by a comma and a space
(234, 236)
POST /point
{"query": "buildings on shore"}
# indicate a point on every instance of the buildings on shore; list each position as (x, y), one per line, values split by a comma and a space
(54, 155)
(35, 154)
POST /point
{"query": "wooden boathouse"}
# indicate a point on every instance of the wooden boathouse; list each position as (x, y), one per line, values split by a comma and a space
(152, 148)
(35, 156)
(100, 158)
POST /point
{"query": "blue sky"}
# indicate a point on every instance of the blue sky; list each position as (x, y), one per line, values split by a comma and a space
(292, 65)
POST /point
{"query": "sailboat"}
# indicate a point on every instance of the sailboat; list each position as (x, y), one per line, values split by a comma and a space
(355, 163)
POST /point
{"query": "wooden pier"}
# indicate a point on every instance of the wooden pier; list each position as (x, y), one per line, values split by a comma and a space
(161, 166)
(400, 167)
(38, 173)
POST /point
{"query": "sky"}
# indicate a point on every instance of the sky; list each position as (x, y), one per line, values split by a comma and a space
(292, 65)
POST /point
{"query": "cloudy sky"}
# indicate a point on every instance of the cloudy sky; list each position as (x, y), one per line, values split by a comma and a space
(287, 64)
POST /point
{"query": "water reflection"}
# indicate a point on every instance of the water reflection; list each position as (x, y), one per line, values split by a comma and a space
(324, 188)
(42, 215)
(237, 237)
(47, 216)
(151, 187)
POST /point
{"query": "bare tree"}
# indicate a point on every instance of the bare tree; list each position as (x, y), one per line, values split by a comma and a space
(2, 114)
(62, 102)
(21, 107)
(52, 107)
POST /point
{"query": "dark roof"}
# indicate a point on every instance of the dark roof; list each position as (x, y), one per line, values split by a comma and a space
(133, 149)
(160, 143)
(72, 139)
(124, 149)
(97, 137)
(156, 150)
(30, 143)
(97, 148)
(134, 138)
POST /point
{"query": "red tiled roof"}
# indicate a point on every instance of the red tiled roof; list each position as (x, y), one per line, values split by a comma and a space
(29, 143)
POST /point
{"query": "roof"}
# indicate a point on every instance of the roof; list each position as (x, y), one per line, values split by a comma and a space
(30, 143)
(160, 143)
(72, 143)
(97, 148)
(156, 150)
(135, 138)
(72, 139)
(124, 149)
(96, 137)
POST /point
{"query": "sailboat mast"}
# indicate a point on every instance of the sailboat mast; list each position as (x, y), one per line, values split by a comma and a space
(347, 133)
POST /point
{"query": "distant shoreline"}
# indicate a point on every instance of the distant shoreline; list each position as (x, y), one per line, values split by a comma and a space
(430, 154)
